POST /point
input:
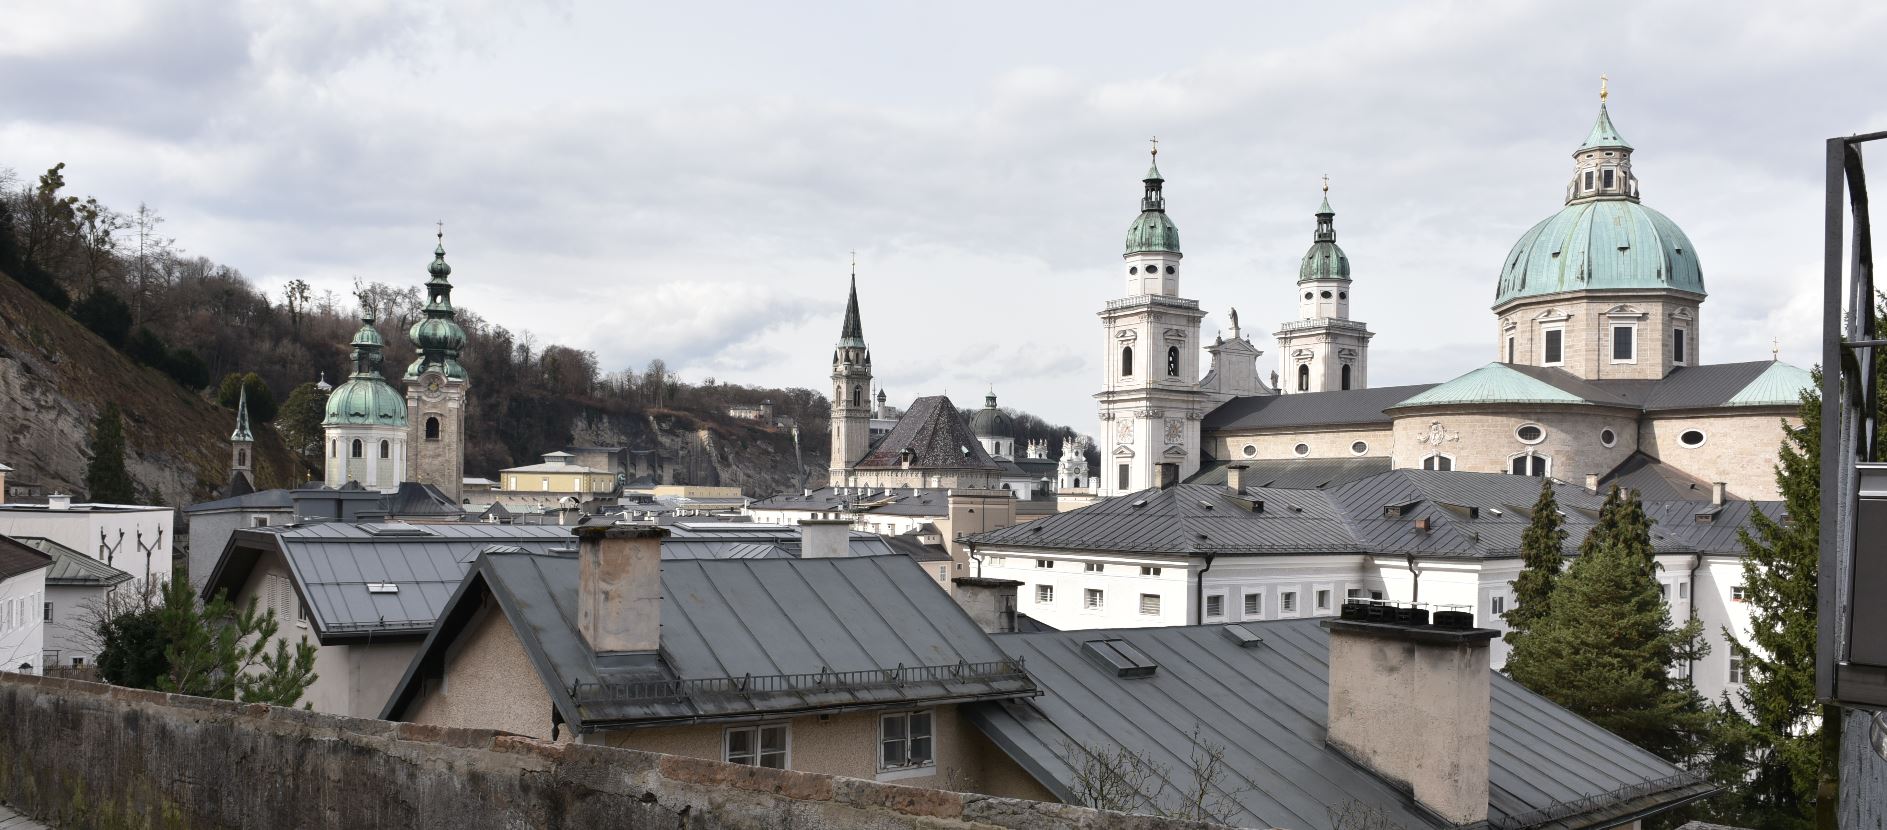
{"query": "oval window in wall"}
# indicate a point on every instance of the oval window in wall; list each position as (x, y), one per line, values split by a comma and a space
(1691, 438)
(1530, 433)
(1608, 437)
(1250, 451)
(1359, 448)
(1301, 449)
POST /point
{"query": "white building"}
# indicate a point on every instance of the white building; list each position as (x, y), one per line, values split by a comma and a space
(22, 607)
(136, 539)
(77, 589)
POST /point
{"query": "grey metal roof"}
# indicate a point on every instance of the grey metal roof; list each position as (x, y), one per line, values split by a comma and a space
(1655, 480)
(1691, 387)
(1267, 706)
(797, 629)
(888, 501)
(1305, 409)
(259, 500)
(937, 437)
(72, 568)
(1474, 515)
(17, 558)
(1294, 473)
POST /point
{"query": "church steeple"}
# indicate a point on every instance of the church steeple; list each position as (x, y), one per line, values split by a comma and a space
(853, 331)
(435, 386)
(1323, 350)
(242, 477)
(851, 389)
(1153, 240)
(438, 336)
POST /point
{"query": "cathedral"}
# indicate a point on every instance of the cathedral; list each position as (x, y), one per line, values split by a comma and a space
(378, 438)
(1598, 373)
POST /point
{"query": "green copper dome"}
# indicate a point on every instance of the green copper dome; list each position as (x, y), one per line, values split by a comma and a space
(365, 399)
(1152, 230)
(1324, 260)
(991, 422)
(438, 336)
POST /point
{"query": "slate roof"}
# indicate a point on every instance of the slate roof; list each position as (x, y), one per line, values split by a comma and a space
(888, 501)
(258, 500)
(1655, 480)
(416, 500)
(17, 558)
(1757, 383)
(1267, 705)
(797, 626)
(1294, 473)
(71, 568)
(936, 436)
(1305, 409)
(1470, 515)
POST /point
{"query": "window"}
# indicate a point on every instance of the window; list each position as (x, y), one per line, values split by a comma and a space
(904, 740)
(78, 661)
(1359, 448)
(1528, 464)
(546, 482)
(356, 448)
(1588, 180)
(334, 449)
(943, 572)
(1045, 563)
(760, 746)
(1254, 605)
(1683, 590)
(1150, 605)
(996, 561)
(1323, 599)
(1172, 361)
(1530, 433)
(1352, 593)
(1126, 477)
(1092, 599)
(1438, 462)
(1499, 605)
(1692, 438)
(1664, 591)
(1510, 350)
(1677, 345)
(1606, 176)
(858, 395)
(1303, 377)
(258, 521)
(1736, 669)
(1736, 594)
(1624, 344)
(1149, 570)
(1608, 437)
(1044, 594)
(1092, 567)
(1250, 450)
(1301, 449)
(1375, 595)
(242, 457)
(1346, 376)
(1215, 605)
(46, 616)
(386, 449)
(432, 429)
(1552, 347)
(1127, 361)
(1287, 602)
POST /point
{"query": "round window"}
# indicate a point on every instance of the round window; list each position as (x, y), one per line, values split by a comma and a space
(1343, 295)
(1133, 269)
(1250, 450)
(1308, 295)
(1301, 449)
(1326, 295)
(1608, 437)
(1359, 448)
(1170, 269)
(1691, 438)
(1530, 434)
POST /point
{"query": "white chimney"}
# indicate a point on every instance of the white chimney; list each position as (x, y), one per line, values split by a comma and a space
(824, 538)
(1411, 703)
(1592, 482)
(619, 588)
(1235, 477)
(59, 501)
(1718, 493)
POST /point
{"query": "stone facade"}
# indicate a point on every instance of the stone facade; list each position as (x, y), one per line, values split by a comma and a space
(1329, 442)
(435, 417)
(1486, 439)
(1589, 323)
(1739, 448)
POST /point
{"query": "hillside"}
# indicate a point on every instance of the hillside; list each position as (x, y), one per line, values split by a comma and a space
(55, 376)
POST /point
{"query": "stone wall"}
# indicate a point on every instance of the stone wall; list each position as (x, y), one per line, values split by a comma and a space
(85, 755)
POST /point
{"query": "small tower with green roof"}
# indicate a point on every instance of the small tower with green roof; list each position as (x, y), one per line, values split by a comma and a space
(242, 444)
(365, 420)
(436, 386)
(1323, 350)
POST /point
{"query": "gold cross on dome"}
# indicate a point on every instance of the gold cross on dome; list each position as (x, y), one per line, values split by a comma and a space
(1602, 90)
(1156, 146)
(1326, 182)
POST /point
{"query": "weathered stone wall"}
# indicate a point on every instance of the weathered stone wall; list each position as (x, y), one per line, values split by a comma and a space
(85, 755)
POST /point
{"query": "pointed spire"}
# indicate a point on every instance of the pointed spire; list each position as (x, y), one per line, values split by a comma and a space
(853, 333)
(242, 432)
(1603, 133)
(1325, 210)
(1153, 167)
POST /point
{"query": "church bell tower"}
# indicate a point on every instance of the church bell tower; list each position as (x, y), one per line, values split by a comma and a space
(851, 392)
(435, 388)
(1323, 350)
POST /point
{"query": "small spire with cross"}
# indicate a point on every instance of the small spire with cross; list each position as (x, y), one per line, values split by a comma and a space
(442, 230)
(1602, 90)
(1156, 146)
(1775, 349)
(1326, 183)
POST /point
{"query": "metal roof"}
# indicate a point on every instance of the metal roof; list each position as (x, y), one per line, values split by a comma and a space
(72, 568)
(1756, 383)
(888, 501)
(1267, 706)
(1514, 383)
(1345, 408)
(17, 558)
(742, 637)
(936, 436)
(1655, 480)
(1294, 473)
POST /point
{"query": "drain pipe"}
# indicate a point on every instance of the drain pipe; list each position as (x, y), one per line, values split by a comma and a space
(1199, 593)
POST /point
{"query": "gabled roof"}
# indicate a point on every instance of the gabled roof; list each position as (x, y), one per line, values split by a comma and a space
(795, 627)
(72, 568)
(1655, 480)
(1344, 408)
(17, 558)
(416, 500)
(1267, 706)
(935, 435)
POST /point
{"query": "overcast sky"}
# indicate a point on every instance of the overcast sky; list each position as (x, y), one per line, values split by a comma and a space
(685, 180)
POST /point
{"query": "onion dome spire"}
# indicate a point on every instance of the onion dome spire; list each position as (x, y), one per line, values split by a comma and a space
(242, 432)
(1153, 230)
(367, 345)
(437, 335)
(365, 399)
(1324, 260)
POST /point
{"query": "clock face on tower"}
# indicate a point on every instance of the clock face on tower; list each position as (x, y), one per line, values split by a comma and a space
(432, 383)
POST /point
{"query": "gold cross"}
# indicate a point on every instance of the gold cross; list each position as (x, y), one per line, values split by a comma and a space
(1156, 146)
(442, 230)
(1602, 90)
(1326, 182)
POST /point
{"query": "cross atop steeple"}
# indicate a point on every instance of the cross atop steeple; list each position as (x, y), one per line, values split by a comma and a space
(1156, 147)
(1602, 90)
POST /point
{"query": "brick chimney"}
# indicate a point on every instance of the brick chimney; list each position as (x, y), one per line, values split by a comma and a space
(1235, 477)
(825, 538)
(1410, 702)
(1168, 473)
(619, 588)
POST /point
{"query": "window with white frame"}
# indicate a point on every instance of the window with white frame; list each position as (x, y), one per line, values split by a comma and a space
(1323, 599)
(1149, 570)
(1044, 594)
(995, 561)
(1683, 590)
(904, 741)
(1091, 567)
(1552, 346)
(1438, 462)
(1352, 593)
(760, 746)
(1679, 352)
(1254, 604)
(1498, 605)
(1736, 593)
(1150, 605)
(1736, 669)
(1530, 464)
(1287, 602)
(1092, 599)
(1045, 563)
(1624, 343)
(1215, 605)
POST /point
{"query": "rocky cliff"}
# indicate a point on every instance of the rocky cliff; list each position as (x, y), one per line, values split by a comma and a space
(706, 449)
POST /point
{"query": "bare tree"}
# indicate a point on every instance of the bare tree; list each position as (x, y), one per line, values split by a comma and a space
(1355, 815)
(152, 249)
(1123, 779)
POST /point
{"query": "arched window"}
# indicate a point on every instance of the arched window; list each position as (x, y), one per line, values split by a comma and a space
(1303, 377)
(242, 458)
(432, 429)
(858, 395)
(1127, 361)
(1438, 462)
(386, 449)
(334, 449)
(1172, 361)
(1528, 464)
(1346, 376)
(356, 448)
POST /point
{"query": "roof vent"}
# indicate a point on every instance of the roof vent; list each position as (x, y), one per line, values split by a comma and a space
(1244, 637)
(1205, 505)
(1120, 657)
(391, 529)
(1140, 503)
(1422, 524)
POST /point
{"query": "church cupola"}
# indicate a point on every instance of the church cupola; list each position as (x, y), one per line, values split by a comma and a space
(1323, 277)
(1602, 164)
(994, 429)
(437, 336)
(365, 420)
(436, 386)
(1153, 240)
(1323, 350)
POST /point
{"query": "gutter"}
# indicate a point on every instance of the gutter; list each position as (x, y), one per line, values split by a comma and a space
(1199, 591)
(781, 714)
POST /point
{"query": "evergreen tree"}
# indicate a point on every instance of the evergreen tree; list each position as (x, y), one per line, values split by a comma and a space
(215, 650)
(105, 314)
(1606, 647)
(1543, 553)
(300, 421)
(106, 480)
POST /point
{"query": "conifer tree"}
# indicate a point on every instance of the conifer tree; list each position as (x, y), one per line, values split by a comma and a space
(1607, 645)
(106, 480)
(1542, 552)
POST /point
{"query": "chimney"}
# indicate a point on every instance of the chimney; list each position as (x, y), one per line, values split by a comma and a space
(825, 538)
(991, 603)
(1410, 702)
(1235, 477)
(1169, 475)
(1592, 482)
(1718, 492)
(619, 588)
(59, 501)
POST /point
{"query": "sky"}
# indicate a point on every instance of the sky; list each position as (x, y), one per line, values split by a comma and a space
(689, 181)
